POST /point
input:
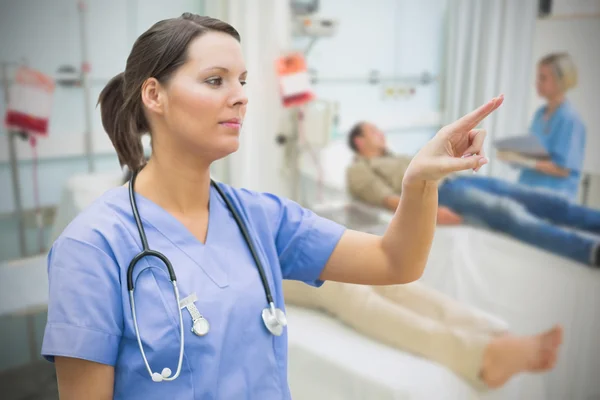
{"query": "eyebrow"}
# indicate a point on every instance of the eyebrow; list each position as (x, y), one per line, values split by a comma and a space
(222, 69)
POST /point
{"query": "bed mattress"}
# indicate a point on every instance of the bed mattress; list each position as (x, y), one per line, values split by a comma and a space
(328, 360)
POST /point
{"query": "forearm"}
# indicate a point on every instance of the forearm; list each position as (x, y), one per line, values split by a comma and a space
(408, 239)
(547, 167)
(550, 168)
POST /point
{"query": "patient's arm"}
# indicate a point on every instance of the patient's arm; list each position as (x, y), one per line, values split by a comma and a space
(446, 216)
(391, 202)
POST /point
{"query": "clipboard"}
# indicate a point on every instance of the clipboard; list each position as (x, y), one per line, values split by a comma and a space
(527, 145)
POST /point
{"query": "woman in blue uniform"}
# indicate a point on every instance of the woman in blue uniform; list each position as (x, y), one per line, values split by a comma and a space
(559, 128)
(170, 287)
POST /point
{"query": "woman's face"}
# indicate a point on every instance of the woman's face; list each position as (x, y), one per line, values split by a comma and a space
(546, 83)
(204, 103)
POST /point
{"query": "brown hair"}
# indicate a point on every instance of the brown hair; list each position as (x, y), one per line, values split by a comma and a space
(356, 131)
(564, 69)
(157, 53)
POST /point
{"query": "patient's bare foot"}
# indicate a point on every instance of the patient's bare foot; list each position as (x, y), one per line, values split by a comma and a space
(509, 355)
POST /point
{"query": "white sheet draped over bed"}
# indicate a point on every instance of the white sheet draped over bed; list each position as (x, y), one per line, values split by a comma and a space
(532, 290)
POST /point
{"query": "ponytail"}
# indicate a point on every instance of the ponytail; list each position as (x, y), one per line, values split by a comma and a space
(124, 122)
(157, 54)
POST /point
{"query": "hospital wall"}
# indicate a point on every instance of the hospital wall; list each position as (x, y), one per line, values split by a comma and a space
(46, 35)
(398, 38)
(401, 39)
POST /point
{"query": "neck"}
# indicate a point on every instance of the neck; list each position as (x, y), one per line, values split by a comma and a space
(176, 184)
(374, 153)
(554, 102)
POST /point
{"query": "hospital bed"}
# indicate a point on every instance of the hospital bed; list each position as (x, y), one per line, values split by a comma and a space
(528, 288)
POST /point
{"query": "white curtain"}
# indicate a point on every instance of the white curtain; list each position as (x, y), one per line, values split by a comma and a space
(488, 52)
(264, 26)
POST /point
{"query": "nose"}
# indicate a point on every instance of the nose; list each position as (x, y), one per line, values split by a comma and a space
(238, 96)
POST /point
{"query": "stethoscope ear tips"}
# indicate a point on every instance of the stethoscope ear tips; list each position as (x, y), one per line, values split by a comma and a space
(156, 377)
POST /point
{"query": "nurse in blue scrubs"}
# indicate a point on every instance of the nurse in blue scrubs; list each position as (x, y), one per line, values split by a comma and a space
(207, 322)
(559, 127)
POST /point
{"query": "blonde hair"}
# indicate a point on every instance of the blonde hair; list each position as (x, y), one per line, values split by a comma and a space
(564, 69)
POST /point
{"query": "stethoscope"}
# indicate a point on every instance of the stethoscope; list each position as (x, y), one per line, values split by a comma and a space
(274, 318)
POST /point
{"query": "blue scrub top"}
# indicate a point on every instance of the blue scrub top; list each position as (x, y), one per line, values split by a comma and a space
(89, 313)
(563, 135)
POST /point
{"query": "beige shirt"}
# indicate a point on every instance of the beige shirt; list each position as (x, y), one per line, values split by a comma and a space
(372, 180)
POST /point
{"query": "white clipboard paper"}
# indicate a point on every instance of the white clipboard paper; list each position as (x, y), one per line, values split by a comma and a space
(527, 145)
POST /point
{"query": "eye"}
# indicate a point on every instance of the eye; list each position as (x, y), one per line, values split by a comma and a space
(215, 81)
(243, 83)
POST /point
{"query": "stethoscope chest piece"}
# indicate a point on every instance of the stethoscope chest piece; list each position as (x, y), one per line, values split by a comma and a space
(274, 319)
(200, 327)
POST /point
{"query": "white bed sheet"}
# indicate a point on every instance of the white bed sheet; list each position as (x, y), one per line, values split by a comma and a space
(532, 290)
(330, 361)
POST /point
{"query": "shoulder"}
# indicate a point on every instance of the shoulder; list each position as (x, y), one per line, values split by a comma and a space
(98, 226)
(570, 114)
(539, 112)
(251, 199)
(258, 206)
(358, 167)
(267, 210)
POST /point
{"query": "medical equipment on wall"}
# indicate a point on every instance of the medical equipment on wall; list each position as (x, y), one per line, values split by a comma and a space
(304, 7)
(28, 108)
(314, 27)
(273, 317)
(319, 120)
(310, 127)
(294, 82)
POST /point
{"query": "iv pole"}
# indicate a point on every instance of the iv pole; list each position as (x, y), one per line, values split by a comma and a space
(12, 153)
(85, 81)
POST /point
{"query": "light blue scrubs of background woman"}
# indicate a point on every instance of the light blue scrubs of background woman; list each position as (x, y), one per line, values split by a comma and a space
(183, 83)
(559, 128)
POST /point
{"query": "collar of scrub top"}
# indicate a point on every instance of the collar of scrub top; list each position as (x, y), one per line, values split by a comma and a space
(274, 318)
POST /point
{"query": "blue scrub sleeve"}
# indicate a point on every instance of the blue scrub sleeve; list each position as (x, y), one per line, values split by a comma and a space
(568, 150)
(304, 240)
(85, 317)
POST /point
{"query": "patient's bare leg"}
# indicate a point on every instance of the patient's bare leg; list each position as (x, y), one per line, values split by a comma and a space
(434, 304)
(509, 355)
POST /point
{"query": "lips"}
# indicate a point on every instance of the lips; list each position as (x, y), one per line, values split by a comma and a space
(234, 123)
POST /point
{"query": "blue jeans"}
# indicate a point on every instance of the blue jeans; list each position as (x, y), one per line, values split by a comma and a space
(533, 216)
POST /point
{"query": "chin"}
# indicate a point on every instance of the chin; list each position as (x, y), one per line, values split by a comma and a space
(227, 146)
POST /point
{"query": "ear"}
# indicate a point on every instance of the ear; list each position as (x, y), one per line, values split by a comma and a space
(152, 95)
(359, 142)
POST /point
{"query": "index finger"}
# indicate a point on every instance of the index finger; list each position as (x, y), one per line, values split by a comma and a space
(472, 119)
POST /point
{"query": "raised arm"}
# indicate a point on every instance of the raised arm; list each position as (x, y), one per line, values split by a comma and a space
(400, 255)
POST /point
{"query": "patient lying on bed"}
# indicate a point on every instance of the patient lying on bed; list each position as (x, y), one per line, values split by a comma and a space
(419, 320)
(533, 216)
